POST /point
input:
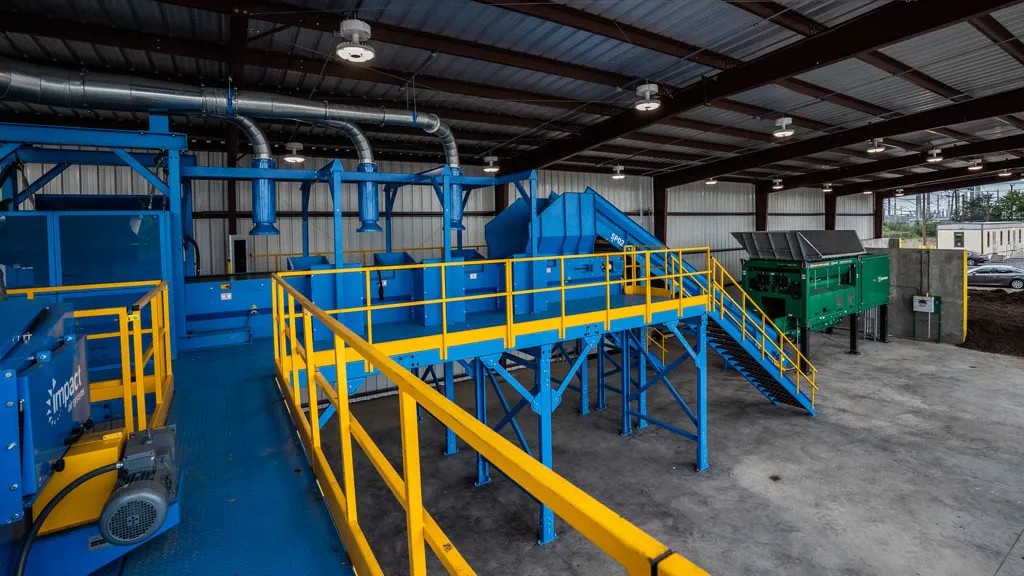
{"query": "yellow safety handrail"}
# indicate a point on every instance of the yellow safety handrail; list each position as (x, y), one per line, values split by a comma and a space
(365, 255)
(791, 359)
(638, 282)
(144, 369)
(296, 360)
(659, 340)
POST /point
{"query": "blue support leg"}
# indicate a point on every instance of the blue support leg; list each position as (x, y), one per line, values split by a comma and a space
(483, 467)
(626, 372)
(449, 392)
(602, 392)
(701, 360)
(584, 380)
(544, 406)
(641, 376)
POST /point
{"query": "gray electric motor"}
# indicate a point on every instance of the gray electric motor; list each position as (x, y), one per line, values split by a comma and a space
(146, 487)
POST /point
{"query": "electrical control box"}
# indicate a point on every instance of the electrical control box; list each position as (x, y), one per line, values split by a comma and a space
(924, 304)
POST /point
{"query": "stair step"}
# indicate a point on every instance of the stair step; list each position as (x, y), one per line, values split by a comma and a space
(750, 367)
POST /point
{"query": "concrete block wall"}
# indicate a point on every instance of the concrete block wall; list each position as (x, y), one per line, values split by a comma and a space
(914, 272)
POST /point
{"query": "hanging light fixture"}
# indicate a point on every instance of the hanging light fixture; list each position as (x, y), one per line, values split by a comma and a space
(711, 181)
(1005, 173)
(777, 184)
(899, 191)
(353, 49)
(827, 187)
(934, 155)
(975, 165)
(783, 127)
(876, 146)
(617, 172)
(647, 98)
(294, 155)
(492, 164)
(867, 192)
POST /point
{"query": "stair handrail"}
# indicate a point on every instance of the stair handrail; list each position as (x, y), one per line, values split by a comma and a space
(801, 359)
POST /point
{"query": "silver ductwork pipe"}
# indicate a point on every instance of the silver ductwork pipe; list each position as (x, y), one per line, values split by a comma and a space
(23, 82)
(359, 140)
(258, 140)
(368, 192)
(264, 190)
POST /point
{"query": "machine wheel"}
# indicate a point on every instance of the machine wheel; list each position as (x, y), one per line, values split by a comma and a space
(1017, 284)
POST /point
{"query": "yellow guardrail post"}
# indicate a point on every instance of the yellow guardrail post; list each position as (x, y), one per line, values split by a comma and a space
(274, 317)
(155, 317)
(509, 306)
(345, 430)
(126, 370)
(561, 288)
(135, 321)
(647, 288)
(607, 292)
(311, 388)
(413, 486)
(444, 312)
(293, 338)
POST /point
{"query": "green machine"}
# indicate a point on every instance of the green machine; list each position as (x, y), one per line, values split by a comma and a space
(810, 280)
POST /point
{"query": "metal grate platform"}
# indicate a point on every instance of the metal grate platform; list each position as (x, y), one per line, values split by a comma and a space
(249, 501)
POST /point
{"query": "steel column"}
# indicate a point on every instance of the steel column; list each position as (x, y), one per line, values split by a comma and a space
(450, 446)
(483, 468)
(544, 406)
(701, 361)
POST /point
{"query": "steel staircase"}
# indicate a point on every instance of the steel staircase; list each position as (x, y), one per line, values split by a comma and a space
(739, 331)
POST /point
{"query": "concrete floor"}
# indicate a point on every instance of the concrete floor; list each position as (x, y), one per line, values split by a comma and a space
(913, 465)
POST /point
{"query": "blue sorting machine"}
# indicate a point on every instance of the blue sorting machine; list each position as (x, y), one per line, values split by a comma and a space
(46, 424)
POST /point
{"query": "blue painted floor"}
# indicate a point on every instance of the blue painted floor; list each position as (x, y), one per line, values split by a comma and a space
(249, 502)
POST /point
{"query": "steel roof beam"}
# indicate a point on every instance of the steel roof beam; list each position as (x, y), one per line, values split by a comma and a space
(796, 22)
(193, 48)
(977, 109)
(328, 22)
(925, 178)
(999, 35)
(948, 185)
(886, 25)
(1007, 144)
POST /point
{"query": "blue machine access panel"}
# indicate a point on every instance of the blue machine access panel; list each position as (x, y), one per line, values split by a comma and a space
(44, 396)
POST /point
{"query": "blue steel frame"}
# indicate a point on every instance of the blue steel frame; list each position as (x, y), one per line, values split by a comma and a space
(23, 143)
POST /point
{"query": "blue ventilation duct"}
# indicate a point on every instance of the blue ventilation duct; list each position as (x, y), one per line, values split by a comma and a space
(264, 202)
(369, 201)
(455, 202)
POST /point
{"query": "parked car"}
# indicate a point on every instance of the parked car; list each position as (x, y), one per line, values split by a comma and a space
(976, 259)
(996, 275)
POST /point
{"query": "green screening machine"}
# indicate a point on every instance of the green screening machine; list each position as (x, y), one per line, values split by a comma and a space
(810, 280)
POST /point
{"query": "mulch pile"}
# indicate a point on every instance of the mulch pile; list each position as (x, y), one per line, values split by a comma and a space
(995, 321)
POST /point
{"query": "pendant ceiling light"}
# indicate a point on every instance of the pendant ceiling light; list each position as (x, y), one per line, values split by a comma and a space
(353, 48)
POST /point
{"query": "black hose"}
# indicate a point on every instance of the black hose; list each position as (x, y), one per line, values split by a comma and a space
(41, 518)
(3, 285)
(199, 259)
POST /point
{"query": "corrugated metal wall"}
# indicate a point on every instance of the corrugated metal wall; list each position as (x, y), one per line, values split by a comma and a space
(855, 212)
(702, 215)
(797, 209)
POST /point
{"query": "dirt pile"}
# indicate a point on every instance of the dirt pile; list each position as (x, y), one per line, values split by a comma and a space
(995, 321)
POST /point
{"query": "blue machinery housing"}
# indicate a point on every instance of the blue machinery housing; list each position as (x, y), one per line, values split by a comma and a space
(567, 276)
